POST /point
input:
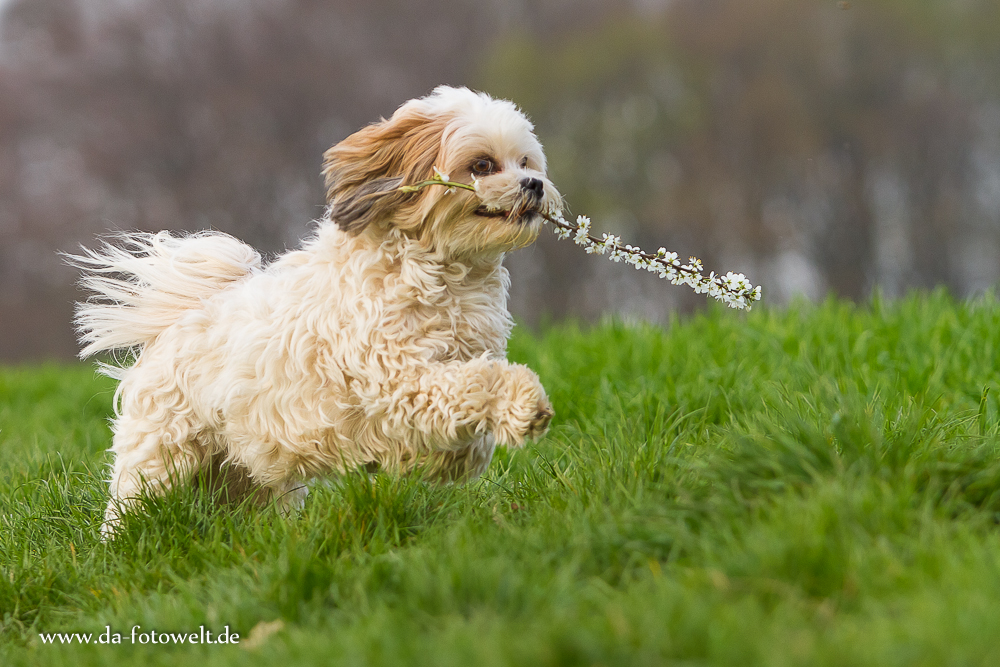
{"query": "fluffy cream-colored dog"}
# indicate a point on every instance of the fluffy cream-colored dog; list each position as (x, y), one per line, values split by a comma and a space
(382, 341)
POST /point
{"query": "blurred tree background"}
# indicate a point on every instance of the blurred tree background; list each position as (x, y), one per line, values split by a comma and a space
(816, 145)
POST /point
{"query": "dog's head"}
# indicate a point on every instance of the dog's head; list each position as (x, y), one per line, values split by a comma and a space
(468, 136)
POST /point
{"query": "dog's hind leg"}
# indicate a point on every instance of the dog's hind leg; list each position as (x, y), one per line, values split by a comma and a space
(150, 456)
(234, 484)
(289, 497)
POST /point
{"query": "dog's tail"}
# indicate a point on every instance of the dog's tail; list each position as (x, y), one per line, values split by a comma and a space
(143, 283)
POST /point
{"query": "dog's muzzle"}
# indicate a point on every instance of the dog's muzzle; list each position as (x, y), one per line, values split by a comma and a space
(527, 206)
(533, 187)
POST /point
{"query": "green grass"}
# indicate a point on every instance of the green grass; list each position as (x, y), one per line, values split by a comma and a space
(818, 485)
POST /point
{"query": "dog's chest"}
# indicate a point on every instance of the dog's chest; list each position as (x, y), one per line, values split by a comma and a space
(460, 331)
(461, 320)
(430, 312)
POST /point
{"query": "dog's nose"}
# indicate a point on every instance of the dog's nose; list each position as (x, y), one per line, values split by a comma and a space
(533, 185)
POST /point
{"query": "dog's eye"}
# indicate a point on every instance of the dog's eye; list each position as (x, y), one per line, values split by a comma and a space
(524, 162)
(482, 166)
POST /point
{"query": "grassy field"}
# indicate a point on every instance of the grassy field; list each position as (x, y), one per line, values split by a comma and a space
(817, 485)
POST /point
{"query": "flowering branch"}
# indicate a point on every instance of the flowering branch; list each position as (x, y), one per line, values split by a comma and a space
(733, 289)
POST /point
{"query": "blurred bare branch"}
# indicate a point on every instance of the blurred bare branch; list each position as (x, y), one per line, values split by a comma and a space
(811, 148)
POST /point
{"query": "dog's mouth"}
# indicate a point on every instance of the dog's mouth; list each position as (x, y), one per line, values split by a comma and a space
(520, 214)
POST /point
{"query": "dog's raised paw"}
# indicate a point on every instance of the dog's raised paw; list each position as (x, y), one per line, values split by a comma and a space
(540, 424)
(526, 414)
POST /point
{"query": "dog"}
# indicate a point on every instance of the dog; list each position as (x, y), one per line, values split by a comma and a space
(379, 343)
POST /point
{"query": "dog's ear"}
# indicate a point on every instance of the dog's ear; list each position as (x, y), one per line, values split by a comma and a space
(364, 171)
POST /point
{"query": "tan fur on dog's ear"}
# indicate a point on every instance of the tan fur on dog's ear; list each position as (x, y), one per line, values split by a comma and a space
(364, 171)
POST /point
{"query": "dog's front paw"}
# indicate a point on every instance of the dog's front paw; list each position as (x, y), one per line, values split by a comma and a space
(540, 423)
(526, 412)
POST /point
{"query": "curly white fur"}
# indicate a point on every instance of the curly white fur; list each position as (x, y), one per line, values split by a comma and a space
(381, 341)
